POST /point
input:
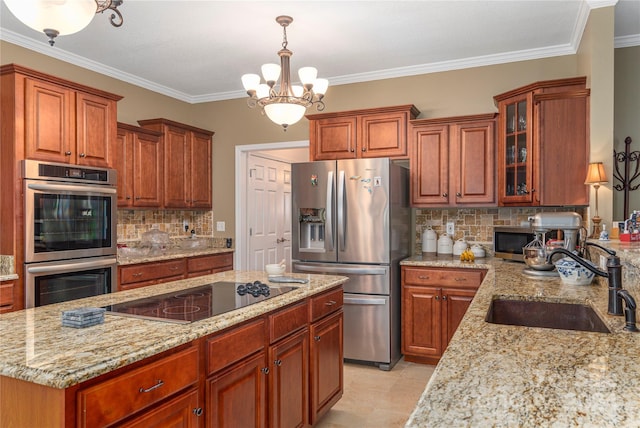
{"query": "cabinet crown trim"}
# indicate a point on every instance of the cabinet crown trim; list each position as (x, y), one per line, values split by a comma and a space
(138, 129)
(19, 69)
(545, 84)
(167, 122)
(406, 107)
(454, 119)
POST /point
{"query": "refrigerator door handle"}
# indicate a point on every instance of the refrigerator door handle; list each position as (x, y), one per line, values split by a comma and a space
(329, 243)
(342, 227)
(369, 301)
(342, 269)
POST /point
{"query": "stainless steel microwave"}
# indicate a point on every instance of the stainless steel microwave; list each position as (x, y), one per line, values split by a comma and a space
(508, 242)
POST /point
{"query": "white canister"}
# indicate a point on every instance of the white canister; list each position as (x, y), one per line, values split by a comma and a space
(429, 240)
(459, 247)
(478, 251)
(445, 244)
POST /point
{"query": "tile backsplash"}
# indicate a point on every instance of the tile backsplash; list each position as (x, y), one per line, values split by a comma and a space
(133, 223)
(476, 225)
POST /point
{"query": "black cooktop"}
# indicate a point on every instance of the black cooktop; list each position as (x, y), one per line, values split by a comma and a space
(198, 303)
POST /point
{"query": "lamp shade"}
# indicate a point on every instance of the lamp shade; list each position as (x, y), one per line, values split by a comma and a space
(596, 174)
(64, 16)
(284, 114)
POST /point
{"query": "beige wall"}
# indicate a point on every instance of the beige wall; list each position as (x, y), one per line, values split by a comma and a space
(452, 93)
(626, 118)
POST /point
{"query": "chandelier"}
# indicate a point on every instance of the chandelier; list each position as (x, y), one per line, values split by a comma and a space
(287, 104)
(62, 17)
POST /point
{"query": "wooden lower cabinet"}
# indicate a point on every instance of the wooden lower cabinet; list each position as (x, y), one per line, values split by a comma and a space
(434, 300)
(183, 411)
(6, 296)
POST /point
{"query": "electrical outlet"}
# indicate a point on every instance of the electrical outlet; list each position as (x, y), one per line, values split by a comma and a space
(185, 225)
(220, 226)
(451, 228)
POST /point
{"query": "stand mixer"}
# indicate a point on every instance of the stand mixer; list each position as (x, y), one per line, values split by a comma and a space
(535, 252)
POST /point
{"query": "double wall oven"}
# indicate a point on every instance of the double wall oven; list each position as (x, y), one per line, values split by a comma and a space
(70, 232)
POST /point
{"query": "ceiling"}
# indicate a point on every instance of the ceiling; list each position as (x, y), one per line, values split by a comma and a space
(196, 51)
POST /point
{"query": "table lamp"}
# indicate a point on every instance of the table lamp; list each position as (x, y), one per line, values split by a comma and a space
(595, 177)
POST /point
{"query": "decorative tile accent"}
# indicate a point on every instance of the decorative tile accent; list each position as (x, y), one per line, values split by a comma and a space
(133, 223)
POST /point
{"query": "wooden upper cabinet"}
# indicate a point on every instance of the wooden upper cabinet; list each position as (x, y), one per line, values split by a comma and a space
(62, 121)
(139, 165)
(372, 133)
(453, 161)
(187, 164)
(543, 144)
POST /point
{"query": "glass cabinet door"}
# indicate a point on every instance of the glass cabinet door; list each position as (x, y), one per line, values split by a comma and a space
(517, 153)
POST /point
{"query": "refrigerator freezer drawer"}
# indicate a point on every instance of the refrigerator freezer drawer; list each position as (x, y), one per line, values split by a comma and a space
(367, 328)
(365, 279)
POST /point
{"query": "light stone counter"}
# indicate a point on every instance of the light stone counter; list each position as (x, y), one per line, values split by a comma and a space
(7, 269)
(510, 376)
(36, 348)
(172, 253)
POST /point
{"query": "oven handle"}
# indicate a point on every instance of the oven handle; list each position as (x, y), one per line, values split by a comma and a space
(73, 265)
(71, 188)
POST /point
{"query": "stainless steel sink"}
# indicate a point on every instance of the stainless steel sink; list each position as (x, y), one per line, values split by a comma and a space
(562, 316)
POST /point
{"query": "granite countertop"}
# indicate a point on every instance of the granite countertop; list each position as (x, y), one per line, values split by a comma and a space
(134, 255)
(37, 348)
(7, 269)
(508, 376)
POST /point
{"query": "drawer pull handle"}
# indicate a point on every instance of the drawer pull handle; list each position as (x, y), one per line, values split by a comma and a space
(156, 386)
(265, 370)
(278, 363)
(316, 338)
(173, 268)
(197, 411)
(461, 279)
(423, 277)
(330, 303)
(137, 274)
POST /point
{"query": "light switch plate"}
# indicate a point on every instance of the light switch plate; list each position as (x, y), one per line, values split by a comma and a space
(451, 228)
(220, 226)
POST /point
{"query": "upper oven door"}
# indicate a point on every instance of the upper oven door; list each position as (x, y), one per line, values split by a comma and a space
(65, 221)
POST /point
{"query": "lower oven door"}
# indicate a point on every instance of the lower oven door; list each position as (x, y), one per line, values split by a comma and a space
(54, 282)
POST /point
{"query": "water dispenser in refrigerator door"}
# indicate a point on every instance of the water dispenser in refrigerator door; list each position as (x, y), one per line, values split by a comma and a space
(312, 229)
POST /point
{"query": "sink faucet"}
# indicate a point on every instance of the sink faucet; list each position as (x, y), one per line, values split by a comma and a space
(613, 274)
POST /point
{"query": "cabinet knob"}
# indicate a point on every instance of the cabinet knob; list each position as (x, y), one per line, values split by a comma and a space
(437, 297)
(445, 194)
(265, 370)
(316, 338)
(82, 155)
(128, 197)
(353, 150)
(364, 149)
(67, 153)
(197, 411)
(278, 363)
(458, 194)
(444, 297)
(137, 198)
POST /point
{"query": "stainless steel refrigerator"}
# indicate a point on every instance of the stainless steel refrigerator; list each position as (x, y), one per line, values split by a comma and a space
(352, 218)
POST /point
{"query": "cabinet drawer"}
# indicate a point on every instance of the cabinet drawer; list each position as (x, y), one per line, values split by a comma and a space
(212, 262)
(151, 271)
(228, 348)
(287, 321)
(114, 399)
(443, 277)
(326, 303)
(6, 293)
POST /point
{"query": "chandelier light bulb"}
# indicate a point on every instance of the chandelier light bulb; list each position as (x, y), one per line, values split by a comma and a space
(270, 72)
(250, 82)
(298, 90)
(320, 86)
(262, 91)
(63, 16)
(308, 75)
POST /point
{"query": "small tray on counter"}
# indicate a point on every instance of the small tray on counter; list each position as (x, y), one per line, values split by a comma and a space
(83, 317)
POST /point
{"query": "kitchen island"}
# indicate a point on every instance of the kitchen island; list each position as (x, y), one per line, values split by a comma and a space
(43, 362)
(512, 376)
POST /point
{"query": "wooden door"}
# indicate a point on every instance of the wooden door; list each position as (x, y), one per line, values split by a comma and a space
(289, 381)
(421, 321)
(326, 356)
(472, 163)
(383, 135)
(237, 397)
(200, 185)
(95, 131)
(147, 170)
(430, 166)
(455, 305)
(333, 138)
(49, 122)
(124, 167)
(176, 167)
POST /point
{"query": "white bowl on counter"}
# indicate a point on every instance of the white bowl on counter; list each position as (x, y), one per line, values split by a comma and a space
(573, 273)
(275, 269)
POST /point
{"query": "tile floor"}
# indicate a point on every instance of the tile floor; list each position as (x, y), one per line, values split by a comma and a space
(374, 398)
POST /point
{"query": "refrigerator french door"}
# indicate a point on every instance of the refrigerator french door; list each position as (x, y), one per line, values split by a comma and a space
(351, 218)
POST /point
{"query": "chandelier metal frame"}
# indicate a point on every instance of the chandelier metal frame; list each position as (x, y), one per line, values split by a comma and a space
(284, 93)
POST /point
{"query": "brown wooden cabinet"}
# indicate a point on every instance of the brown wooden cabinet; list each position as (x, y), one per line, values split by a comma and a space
(50, 119)
(380, 132)
(453, 161)
(187, 164)
(434, 300)
(6, 296)
(144, 274)
(139, 166)
(543, 144)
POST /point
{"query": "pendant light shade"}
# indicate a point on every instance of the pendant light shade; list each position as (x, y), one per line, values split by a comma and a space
(63, 16)
(284, 114)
